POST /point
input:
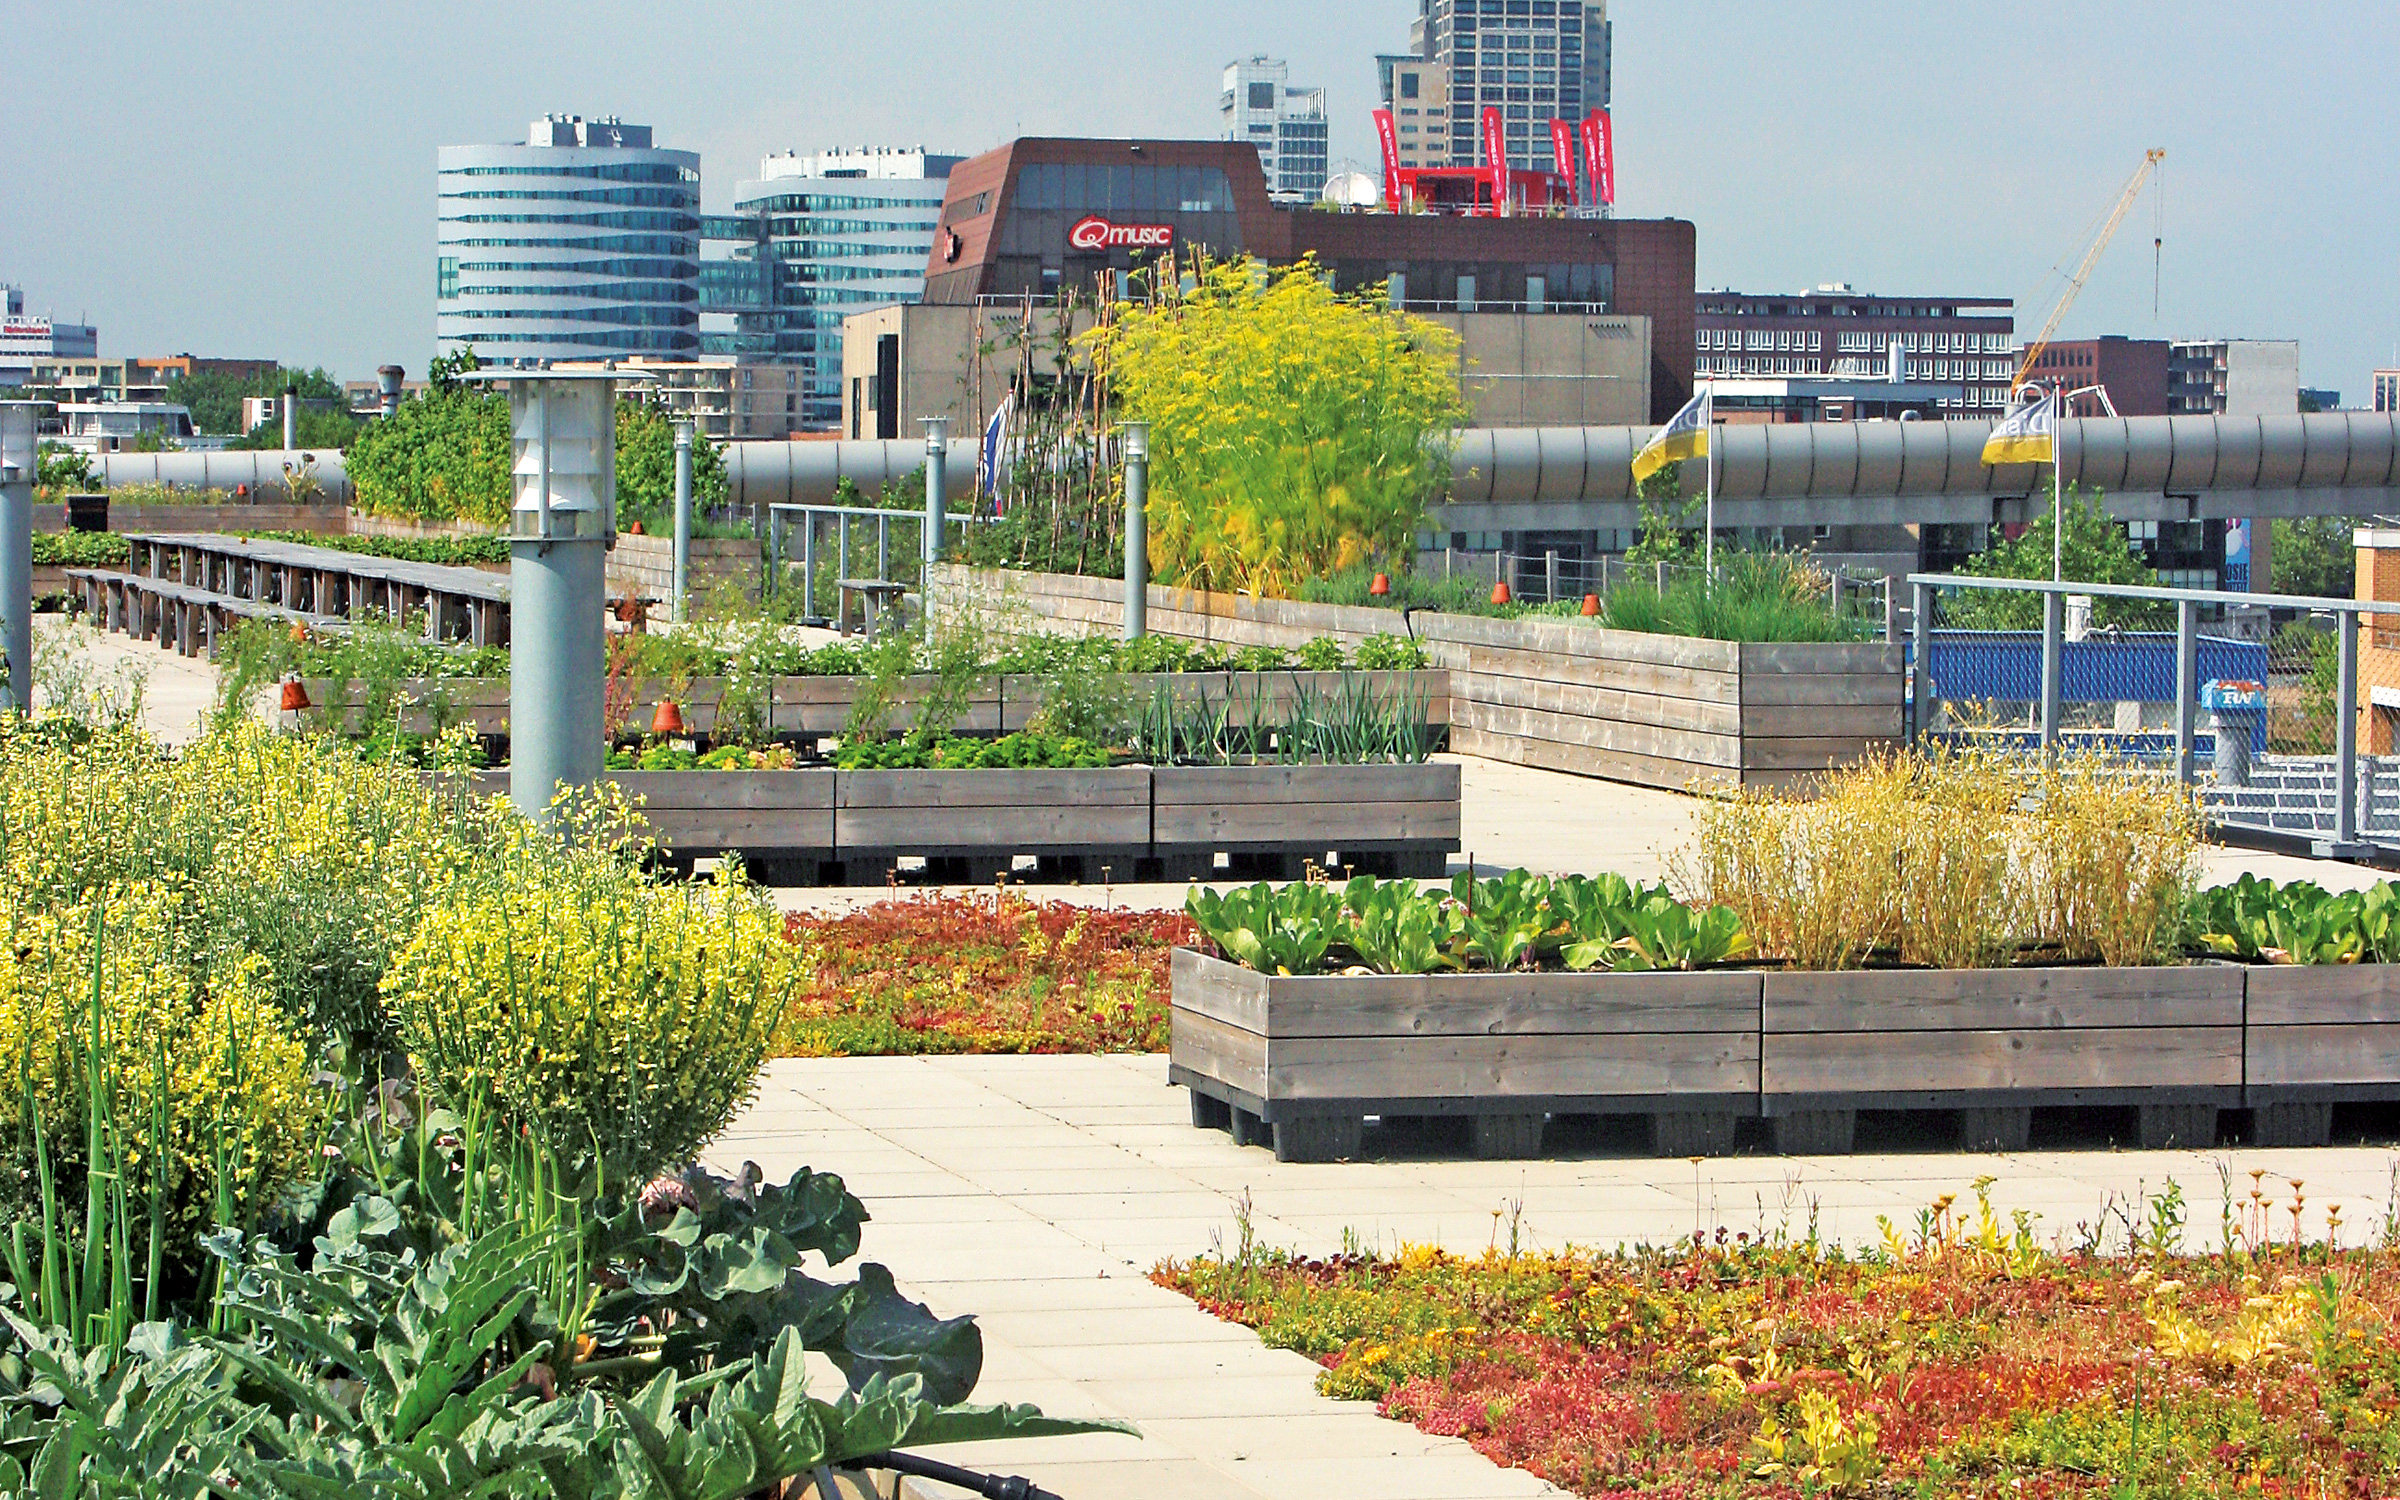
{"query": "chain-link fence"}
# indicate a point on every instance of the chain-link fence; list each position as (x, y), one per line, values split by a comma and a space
(2281, 708)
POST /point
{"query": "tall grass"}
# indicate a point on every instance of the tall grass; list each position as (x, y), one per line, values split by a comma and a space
(1954, 858)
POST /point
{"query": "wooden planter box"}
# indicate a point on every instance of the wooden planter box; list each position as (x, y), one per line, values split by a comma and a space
(2318, 1035)
(1992, 1043)
(1306, 1059)
(1087, 823)
(1659, 710)
(702, 814)
(940, 813)
(1403, 818)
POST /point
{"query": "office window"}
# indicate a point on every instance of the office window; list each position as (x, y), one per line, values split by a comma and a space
(1262, 96)
(1408, 85)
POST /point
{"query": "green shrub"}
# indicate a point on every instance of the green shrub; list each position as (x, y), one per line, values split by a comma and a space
(79, 549)
(621, 1023)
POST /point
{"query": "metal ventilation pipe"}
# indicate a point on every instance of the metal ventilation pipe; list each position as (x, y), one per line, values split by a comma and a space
(678, 606)
(1137, 529)
(564, 435)
(20, 465)
(387, 384)
(291, 416)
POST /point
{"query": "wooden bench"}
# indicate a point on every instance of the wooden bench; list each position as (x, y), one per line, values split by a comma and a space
(179, 617)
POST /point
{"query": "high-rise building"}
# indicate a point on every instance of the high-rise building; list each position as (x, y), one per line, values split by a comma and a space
(1964, 344)
(1533, 60)
(583, 243)
(2234, 377)
(1287, 125)
(2387, 391)
(809, 242)
(1417, 91)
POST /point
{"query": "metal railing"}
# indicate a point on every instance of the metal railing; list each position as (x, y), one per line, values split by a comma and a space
(2285, 706)
(1549, 578)
(815, 520)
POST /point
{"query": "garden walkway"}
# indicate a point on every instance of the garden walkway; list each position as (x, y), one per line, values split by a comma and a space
(1037, 1192)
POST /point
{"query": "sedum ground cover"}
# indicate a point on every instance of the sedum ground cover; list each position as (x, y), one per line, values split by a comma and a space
(1965, 1357)
(980, 973)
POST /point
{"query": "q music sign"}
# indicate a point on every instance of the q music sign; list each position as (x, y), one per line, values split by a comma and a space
(1096, 233)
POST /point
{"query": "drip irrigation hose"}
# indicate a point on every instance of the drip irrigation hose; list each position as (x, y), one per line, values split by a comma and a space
(989, 1486)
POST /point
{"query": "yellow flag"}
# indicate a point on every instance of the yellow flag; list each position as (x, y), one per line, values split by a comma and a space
(1684, 436)
(2028, 435)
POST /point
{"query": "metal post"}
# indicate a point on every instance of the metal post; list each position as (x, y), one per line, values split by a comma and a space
(1550, 576)
(883, 549)
(1833, 599)
(291, 417)
(1137, 530)
(808, 565)
(937, 464)
(2345, 738)
(20, 465)
(1891, 609)
(841, 569)
(774, 577)
(563, 428)
(2187, 687)
(1920, 629)
(683, 520)
(2054, 629)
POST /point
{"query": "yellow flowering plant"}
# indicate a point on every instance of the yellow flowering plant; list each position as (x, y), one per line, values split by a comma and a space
(623, 1024)
(1294, 430)
(202, 1080)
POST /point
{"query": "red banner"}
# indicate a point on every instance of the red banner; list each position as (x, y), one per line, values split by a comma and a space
(1391, 158)
(1562, 153)
(1495, 158)
(1600, 157)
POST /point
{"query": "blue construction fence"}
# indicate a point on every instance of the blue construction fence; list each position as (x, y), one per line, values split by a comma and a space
(2115, 667)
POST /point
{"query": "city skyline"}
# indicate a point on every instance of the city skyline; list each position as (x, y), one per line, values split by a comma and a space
(1806, 147)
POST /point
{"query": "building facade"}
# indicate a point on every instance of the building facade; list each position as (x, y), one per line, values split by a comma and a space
(2386, 394)
(583, 243)
(812, 240)
(1287, 125)
(1964, 344)
(1039, 216)
(27, 341)
(2132, 371)
(2234, 378)
(1533, 60)
(1417, 92)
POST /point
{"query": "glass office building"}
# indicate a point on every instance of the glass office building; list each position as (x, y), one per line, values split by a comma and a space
(1533, 60)
(812, 240)
(583, 243)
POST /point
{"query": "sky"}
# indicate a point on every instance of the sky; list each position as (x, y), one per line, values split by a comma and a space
(258, 180)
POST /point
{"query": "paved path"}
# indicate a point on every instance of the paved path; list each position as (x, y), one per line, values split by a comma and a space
(1037, 1192)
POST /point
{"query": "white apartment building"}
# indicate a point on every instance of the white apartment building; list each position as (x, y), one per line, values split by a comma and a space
(1286, 124)
(2234, 377)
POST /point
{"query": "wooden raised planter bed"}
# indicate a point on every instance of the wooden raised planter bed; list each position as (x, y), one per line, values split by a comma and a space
(1993, 1043)
(815, 824)
(1388, 820)
(820, 706)
(1304, 1060)
(2317, 1036)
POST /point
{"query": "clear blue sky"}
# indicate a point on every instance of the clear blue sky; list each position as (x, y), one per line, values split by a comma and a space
(258, 180)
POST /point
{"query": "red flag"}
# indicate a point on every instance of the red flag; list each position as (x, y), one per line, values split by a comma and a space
(1495, 157)
(1562, 153)
(1391, 158)
(1600, 153)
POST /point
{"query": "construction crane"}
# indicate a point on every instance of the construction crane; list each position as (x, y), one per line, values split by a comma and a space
(2083, 272)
